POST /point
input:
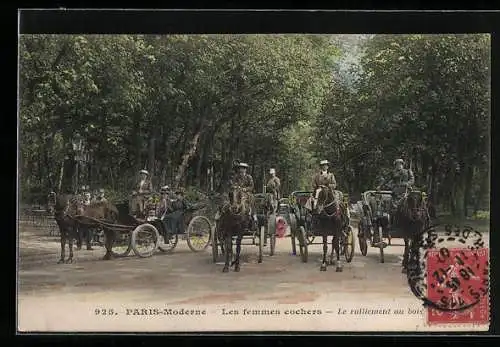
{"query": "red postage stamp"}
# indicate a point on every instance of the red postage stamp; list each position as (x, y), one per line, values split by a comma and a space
(458, 286)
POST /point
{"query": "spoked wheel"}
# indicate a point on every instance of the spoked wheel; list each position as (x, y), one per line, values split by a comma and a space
(303, 244)
(122, 243)
(381, 243)
(293, 231)
(167, 241)
(349, 244)
(145, 239)
(198, 233)
(262, 236)
(363, 243)
(271, 231)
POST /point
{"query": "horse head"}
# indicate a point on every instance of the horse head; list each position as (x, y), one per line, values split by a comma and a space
(240, 203)
(325, 195)
(327, 201)
(416, 207)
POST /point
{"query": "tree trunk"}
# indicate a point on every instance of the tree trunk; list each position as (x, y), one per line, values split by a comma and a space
(191, 150)
(151, 157)
(467, 189)
(199, 165)
(136, 135)
(61, 175)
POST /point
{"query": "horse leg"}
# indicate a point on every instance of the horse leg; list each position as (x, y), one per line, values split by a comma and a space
(333, 251)
(63, 233)
(405, 254)
(325, 251)
(338, 239)
(79, 231)
(88, 240)
(228, 240)
(238, 251)
(71, 237)
(110, 239)
(388, 230)
(221, 243)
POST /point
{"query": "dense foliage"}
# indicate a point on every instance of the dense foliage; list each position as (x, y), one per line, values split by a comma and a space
(186, 106)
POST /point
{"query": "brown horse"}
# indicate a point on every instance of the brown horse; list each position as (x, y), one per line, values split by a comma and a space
(411, 218)
(234, 221)
(329, 219)
(66, 209)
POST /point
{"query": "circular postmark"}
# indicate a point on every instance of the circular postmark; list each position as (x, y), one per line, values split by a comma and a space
(448, 268)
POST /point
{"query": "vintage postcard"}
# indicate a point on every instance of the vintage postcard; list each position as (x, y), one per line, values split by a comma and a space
(277, 182)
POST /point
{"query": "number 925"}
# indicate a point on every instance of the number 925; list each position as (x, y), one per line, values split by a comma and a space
(105, 312)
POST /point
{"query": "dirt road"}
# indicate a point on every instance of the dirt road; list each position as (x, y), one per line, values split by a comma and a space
(65, 296)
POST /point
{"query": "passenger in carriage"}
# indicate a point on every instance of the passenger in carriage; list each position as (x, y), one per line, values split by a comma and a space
(85, 233)
(399, 177)
(100, 196)
(174, 208)
(323, 178)
(273, 186)
(87, 198)
(245, 181)
(143, 187)
(165, 203)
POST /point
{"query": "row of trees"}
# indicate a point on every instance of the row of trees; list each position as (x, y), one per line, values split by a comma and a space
(177, 105)
(425, 98)
(185, 107)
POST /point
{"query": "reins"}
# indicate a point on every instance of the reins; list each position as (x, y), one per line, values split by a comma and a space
(329, 204)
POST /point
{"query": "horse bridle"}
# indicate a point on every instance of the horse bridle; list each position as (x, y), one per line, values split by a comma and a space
(236, 207)
(330, 189)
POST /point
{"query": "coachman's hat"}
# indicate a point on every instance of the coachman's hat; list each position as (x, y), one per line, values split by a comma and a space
(245, 165)
(324, 162)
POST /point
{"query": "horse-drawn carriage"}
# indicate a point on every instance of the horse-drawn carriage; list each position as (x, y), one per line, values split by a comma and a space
(300, 223)
(135, 230)
(257, 233)
(374, 221)
(386, 214)
(304, 225)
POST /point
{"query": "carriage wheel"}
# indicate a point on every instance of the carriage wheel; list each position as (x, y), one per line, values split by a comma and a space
(198, 233)
(309, 235)
(363, 243)
(144, 240)
(167, 241)
(381, 243)
(303, 244)
(349, 244)
(121, 245)
(262, 236)
(271, 231)
(293, 230)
